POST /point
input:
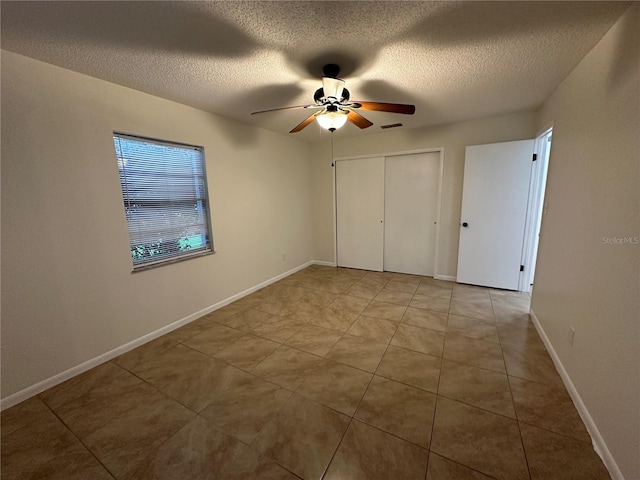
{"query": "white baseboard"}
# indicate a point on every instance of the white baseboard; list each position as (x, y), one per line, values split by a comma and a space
(323, 263)
(446, 278)
(40, 387)
(599, 444)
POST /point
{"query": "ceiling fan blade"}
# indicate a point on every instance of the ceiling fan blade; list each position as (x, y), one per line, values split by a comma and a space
(358, 120)
(304, 123)
(295, 107)
(385, 107)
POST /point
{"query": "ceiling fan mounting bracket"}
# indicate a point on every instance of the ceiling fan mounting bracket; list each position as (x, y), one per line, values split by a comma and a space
(331, 70)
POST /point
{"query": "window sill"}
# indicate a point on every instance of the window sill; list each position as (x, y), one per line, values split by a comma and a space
(162, 263)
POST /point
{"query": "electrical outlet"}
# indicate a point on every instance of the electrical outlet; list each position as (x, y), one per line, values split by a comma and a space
(572, 334)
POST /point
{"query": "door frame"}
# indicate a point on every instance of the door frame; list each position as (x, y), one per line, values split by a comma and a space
(535, 208)
(440, 150)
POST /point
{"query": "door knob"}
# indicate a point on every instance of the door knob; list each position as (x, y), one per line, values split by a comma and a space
(465, 224)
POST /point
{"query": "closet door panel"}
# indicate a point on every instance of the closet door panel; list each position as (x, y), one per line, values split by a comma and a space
(360, 213)
(410, 210)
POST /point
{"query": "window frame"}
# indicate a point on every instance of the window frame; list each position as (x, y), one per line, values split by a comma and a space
(187, 255)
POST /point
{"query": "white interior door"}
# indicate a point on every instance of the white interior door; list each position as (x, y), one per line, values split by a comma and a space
(360, 213)
(494, 207)
(410, 211)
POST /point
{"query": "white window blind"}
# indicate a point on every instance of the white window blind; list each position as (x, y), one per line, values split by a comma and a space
(164, 189)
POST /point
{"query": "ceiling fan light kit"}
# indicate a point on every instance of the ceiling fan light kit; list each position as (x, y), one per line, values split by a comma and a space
(336, 109)
(332, 119)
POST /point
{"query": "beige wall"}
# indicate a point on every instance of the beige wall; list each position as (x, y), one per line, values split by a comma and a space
(68, 294)
(593, 191)
(454, 138)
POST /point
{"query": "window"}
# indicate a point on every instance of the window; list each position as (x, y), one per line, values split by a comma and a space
(164, 188)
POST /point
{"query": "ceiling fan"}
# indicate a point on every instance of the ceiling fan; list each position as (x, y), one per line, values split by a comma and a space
(335, 108)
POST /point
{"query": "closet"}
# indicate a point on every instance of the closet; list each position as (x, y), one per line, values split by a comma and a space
(387, 212)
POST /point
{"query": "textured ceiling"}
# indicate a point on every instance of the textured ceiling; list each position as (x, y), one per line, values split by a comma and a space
(453, 60)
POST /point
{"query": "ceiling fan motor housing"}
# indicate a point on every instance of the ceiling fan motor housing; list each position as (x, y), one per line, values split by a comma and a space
(320, 98)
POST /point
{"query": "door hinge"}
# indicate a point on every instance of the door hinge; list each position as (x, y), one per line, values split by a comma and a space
(522, 268)
(535, 157)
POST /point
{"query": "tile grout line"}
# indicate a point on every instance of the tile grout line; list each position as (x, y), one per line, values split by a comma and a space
(435, 407)
(524, 451)
(113, 475)
(444, 344)
(465, 466)
(464, 403)
(353, 417)
(161, 392)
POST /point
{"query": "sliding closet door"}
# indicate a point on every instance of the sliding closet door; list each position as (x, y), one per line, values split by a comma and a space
(411, 199)
(360, 213)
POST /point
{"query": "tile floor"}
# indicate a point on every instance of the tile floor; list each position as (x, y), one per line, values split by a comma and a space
(330, 373)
